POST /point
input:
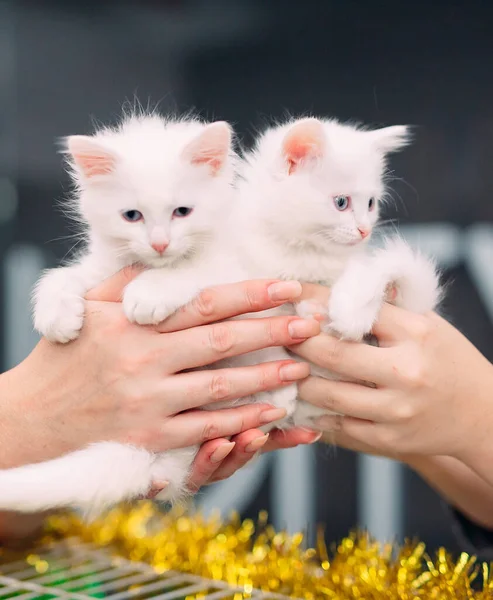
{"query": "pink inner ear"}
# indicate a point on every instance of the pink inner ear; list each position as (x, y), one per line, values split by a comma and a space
(305, 141)
(89, 157)
(211, 147)
(94, 165)
(213, 158)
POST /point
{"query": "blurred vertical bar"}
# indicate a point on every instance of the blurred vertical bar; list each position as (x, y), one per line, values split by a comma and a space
(8, 151)
(22, 266)
(478, 250)
(380, 497)
(293, 490)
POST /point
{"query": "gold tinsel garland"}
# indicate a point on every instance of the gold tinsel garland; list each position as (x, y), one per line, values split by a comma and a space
(253, 555)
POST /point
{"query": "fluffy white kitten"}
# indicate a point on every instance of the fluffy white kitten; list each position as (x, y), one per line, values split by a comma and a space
(152, 191)
(309, 200)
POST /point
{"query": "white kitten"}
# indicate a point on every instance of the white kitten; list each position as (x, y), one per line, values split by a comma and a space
(152, 191)
(309, 200)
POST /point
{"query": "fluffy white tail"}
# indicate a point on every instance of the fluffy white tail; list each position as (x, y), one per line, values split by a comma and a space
(92, 479)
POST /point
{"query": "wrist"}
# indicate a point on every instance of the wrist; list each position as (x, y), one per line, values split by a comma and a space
(476, 447)
(24, 433)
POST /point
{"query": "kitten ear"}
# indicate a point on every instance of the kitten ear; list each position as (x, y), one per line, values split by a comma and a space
(89, 156)
(211, 148)
(391, 139)
(305, 141)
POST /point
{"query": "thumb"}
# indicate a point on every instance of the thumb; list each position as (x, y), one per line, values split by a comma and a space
(111, 289)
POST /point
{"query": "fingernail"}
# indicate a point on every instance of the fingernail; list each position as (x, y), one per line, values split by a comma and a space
(294, 371)
(317, 434)
(273, 414)
(329, 422)
(284, 290)
(257, 443)
(303, 328)
(220, 453)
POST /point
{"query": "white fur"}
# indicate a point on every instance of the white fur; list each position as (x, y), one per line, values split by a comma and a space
(94, 478)
(293, 230)
(284, 225)
(359, 293)
(152, 165)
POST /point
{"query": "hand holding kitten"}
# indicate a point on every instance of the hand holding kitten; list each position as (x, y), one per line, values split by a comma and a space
(432, 388)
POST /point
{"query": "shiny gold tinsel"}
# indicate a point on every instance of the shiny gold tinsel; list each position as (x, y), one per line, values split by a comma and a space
(253, 555)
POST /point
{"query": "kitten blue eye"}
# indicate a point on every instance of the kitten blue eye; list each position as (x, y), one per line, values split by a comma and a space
(133, 216)
(371, 203)
(342, 202)
(182, 211)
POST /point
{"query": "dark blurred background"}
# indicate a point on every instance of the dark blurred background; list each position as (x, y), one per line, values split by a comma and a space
(429, 64)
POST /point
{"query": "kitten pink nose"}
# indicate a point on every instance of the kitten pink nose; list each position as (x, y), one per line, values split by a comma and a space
(160, 247)
(363, 232)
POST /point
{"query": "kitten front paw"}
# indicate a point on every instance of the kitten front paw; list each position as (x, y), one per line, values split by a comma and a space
(61, 319)
(143, 304)
(352, 318)
(312, 309)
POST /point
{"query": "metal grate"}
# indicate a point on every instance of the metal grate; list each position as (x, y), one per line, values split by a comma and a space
(73, 570)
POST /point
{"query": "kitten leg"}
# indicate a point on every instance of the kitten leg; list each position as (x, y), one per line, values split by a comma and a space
(173, 468)
(358, 295)
(156, 294)
(356, 299)
(58, 298)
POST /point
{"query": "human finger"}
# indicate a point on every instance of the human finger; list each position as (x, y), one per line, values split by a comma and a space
(395, 324)
(350, 399)
(247, 444)
(209, 458)
(368, 434)
(280, 439)
(351, 359)
(343, 440)
(198, 388)
(207, 344)
(227, 301)
(198, 426)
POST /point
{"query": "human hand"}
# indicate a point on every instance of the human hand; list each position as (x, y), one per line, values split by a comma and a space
(246, 445)
(123, 382)
(431, 393)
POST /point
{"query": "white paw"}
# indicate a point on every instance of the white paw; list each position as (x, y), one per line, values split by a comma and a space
(61, 319)
(145, 307)
(311, 309)
(352, 317)
(170, 472)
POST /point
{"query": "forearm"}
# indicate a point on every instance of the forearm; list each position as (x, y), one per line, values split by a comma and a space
(28, 433)
(457, 483)
(11, 420)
